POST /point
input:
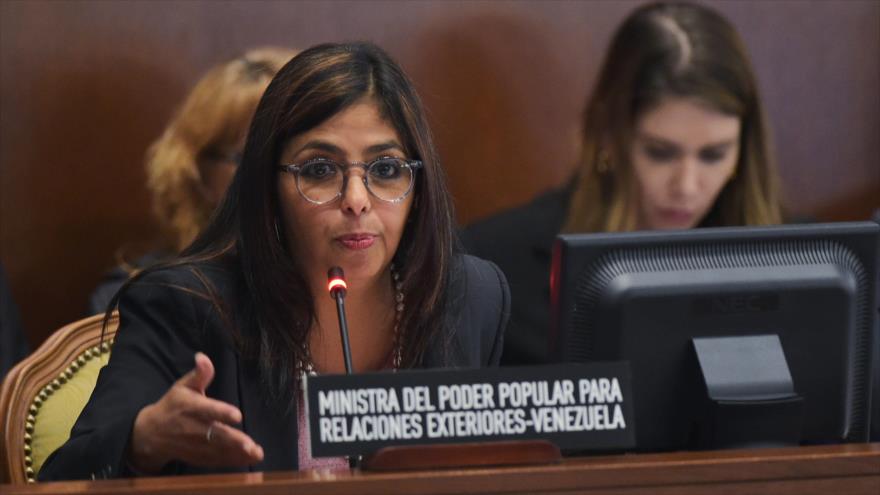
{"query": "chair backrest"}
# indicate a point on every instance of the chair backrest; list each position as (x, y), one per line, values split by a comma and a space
(42, 396)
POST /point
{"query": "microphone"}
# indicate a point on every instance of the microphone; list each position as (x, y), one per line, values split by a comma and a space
(336, 286)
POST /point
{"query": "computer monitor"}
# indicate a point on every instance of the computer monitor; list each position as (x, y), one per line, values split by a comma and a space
(736, 337)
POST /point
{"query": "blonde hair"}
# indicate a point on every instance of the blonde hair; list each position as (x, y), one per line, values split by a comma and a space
(678, 50)
(215, 115)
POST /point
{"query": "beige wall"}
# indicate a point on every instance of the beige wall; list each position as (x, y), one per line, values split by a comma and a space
(85, 86)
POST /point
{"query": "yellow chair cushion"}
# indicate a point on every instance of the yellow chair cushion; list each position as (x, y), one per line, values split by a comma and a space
(60, 410)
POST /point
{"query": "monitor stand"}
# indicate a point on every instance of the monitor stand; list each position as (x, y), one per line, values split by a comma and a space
(747, 398)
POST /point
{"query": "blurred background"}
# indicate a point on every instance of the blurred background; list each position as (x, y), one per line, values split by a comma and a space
(86, 86)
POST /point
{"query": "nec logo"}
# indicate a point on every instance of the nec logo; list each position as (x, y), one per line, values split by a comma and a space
(736, 304)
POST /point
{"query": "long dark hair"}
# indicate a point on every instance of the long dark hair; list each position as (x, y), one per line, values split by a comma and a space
(679, 50)
(277, 308)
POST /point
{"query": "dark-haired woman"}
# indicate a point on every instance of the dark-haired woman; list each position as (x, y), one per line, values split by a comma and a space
(673, 137)
(338, 169)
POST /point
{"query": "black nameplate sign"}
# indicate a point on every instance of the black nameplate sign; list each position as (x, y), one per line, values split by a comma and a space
(576, 406)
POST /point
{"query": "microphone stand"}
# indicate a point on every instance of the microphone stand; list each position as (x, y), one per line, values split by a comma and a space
(336, 285)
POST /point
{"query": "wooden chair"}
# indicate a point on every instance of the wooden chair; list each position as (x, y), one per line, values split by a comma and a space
(42, 396)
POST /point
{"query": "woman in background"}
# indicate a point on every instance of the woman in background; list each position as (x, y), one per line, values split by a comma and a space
(190, 166)
(339, 169)
(674, 137)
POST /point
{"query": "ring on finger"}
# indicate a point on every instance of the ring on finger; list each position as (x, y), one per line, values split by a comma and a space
(210, 433)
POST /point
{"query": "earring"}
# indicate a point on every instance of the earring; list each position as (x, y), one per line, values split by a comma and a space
(277, 232)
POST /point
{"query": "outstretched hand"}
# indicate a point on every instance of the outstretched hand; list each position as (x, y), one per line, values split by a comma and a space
(187, 426)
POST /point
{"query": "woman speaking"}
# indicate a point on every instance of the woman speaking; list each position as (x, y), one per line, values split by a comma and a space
(339, 169)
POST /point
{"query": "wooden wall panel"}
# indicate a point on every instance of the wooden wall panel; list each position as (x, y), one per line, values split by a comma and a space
(85, 86)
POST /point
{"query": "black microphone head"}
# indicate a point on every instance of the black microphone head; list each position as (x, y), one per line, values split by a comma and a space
(336, 281)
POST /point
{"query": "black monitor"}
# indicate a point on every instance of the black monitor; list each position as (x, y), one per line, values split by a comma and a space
(736, 337)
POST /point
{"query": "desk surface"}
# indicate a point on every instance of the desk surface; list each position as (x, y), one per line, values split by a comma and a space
(838, 469)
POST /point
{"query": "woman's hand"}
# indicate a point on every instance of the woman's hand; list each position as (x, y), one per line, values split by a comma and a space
(187, 426)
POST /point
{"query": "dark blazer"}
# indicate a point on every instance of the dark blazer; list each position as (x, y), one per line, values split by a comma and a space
(520, 241)
(162, 327)
(115, 277)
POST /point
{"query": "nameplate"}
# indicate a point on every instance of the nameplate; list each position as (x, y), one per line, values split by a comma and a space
(576, 406)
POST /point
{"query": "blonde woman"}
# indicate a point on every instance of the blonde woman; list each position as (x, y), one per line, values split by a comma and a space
(192, 163)
(674, 137)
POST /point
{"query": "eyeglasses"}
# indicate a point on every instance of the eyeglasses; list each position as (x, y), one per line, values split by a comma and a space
(321, 181)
